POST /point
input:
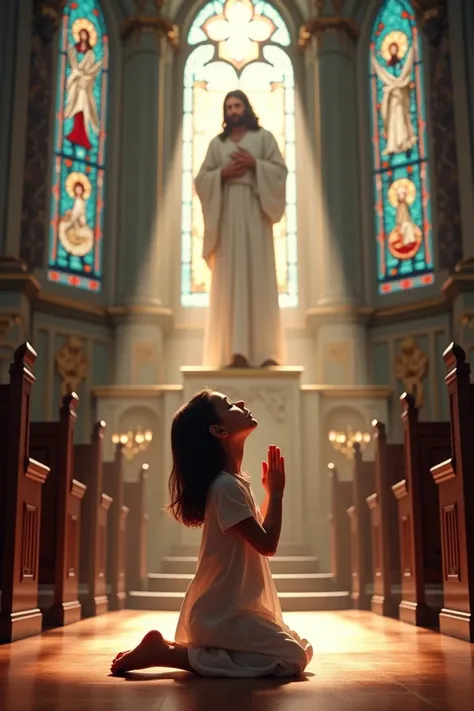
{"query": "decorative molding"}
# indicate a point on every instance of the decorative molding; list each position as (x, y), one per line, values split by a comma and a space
(276, 372)
(414, 309)
(349, 392)
(72, 365)
(411, 366)
(462, 279)
(54, 303)
(140, 311)
(156, 23)
(15, 277)
(319, 25)
(134, 392)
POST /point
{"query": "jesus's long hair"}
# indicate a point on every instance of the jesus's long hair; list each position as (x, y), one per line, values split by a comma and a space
(251, 120)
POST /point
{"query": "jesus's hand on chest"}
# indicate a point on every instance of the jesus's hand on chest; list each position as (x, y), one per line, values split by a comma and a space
(244, 158)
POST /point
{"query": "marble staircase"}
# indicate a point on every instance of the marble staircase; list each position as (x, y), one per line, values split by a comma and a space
(299, 583)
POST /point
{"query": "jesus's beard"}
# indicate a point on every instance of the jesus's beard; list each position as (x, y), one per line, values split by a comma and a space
(236, 120)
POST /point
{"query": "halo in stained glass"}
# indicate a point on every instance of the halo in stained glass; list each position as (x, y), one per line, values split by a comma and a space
(77, 201)
(402, 201)
(265, 72)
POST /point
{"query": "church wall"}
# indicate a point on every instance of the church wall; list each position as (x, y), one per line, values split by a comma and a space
(8, 29)
(467, 14)
(92, 366)
(432, 335)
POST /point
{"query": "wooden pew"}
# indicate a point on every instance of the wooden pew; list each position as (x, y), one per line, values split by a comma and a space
(21, 484)
(389, 468)
(361, 549)
(455, 480)
(137, 525)
(116, 531)
(53, 443)
(93, 543)
(426, 444)
(341, 500)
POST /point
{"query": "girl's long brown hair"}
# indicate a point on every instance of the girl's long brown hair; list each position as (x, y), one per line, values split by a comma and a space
(198, 458)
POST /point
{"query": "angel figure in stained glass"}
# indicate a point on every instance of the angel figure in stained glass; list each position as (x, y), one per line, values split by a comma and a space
(405, 239)
(397, 84)
(75, 235)
(80, 100)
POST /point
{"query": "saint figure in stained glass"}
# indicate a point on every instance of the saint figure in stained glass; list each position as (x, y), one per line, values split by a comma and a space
(81, 105)
(395, 109)
(77, 204)
(237, 44)
(400, 150)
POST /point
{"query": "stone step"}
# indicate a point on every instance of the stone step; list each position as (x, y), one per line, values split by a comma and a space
(284, 549)
(278, 564)
(285, 582)
(290, 602)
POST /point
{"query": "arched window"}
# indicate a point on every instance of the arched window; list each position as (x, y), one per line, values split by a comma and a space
(400, 151)
(77, 201)
(236, 44)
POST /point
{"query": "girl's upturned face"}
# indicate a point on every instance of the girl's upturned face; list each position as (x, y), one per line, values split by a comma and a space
(234, 417)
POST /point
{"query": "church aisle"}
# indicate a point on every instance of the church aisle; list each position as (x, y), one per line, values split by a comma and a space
(362, 663)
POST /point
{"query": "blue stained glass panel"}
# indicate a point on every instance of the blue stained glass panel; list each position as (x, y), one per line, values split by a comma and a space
(402, 200)
(77, 200)
(270, 86)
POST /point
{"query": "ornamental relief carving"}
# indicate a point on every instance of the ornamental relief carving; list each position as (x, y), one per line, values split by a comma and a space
(274, 399)
(411, 366)
(72, 365)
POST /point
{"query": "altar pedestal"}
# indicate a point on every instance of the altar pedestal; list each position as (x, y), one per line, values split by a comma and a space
(274, 397)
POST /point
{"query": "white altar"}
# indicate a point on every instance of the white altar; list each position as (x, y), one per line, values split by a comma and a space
(295, 416)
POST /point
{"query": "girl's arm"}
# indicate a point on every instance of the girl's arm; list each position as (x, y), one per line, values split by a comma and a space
(264, 538)
(264, 506)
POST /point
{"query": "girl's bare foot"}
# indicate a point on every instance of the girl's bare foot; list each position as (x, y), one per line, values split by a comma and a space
(167, 641)
(151, 652)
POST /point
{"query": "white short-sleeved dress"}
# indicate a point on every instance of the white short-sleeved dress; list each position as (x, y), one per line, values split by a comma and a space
(231, 618)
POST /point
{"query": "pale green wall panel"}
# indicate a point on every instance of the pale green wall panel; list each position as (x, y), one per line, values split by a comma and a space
(102, 363)
(50, 334)
(39, 392)
(380, 364)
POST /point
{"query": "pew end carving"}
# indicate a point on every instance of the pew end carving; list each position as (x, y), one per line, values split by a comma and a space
(53, 443)
(137, 530)
(360, 535)
(93, 543)
(425, 443)
(116, 531)
(389, 461)
(454, 478)
(22, 479)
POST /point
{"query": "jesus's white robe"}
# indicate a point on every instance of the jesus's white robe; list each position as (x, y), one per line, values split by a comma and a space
(244, 314)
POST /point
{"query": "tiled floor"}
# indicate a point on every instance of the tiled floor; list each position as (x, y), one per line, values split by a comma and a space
(362, 663)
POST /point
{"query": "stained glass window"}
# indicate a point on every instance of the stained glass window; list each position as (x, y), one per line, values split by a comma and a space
(237, 44)
(400, 151)
(77, 201)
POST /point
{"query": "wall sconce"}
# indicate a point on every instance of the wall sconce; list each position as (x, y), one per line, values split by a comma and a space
(343, 442)
(133, 442)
